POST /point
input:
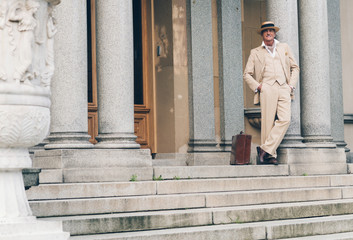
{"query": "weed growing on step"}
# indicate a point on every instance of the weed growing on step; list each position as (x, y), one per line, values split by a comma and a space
(157, 178)
(305, 174)
(176, 178)
(237, 221)
(133, 178)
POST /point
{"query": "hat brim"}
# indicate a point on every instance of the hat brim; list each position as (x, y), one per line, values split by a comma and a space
(262, 29)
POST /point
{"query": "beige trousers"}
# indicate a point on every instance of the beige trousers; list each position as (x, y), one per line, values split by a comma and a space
(275, 115)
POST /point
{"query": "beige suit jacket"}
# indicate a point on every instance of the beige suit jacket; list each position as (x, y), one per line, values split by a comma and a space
(256, 64)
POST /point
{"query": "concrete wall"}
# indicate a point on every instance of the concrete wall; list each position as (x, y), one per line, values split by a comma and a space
(164, 76)
(171, 76)
(180, 77)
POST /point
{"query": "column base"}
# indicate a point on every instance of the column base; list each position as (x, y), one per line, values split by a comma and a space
(32, 229)
(341, 144)
(319, 142)
(117, 141)
(313, 161)
(68, 140)
(226, 145)
(203, 146)
(292, 141)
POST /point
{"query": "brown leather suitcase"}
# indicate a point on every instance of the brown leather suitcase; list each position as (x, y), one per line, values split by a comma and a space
(241, 148)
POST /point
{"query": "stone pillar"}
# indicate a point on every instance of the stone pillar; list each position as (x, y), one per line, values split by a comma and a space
(115, 69)
(69, 110)
(315, 70)
(320, 155)
(334, 35)
(230, 70)
(285, 15)
(200, 64)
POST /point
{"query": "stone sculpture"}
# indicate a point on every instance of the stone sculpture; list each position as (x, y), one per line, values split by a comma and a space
(26, 69)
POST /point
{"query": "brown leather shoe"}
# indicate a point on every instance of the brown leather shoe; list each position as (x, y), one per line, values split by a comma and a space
(272, 160)
(261, 155)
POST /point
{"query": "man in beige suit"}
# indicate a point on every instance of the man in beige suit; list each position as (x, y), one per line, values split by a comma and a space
(272, 73)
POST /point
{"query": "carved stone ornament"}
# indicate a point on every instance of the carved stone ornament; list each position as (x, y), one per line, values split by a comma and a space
(254, 116)
(27, 29)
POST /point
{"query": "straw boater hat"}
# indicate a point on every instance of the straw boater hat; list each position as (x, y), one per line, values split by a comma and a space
(267, 25)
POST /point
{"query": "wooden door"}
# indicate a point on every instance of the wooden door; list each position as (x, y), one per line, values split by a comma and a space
(143, 95)
(92, 72)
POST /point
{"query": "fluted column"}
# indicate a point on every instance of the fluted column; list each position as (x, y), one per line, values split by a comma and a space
(230, 70)
(200, 63)
(334, 34)
(115, 69)
(315, 73)
(69, 117)
(285, 15)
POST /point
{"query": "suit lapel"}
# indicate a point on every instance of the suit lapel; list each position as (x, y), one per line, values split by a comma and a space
(282, 57)
(261, 55)
(261, 51)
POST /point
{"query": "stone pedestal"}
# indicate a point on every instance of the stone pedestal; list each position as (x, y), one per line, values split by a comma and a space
(27, 29)
(313, 161)
(208, 158)
(96, 165)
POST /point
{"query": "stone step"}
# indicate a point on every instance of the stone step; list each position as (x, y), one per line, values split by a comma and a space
(91, 190)
(109, 174)
(67, 207)
(261, 230)
(51, 176)
(123, 174)
(309, 226)
(224, 232)
(335, 236)
(112, 223)
(115, 189)
(219, 171)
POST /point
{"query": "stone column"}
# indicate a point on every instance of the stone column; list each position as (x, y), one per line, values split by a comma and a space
(285, 15)
(320, 155)
(334, 35)
(200, 64)
(315, 70)
(69, 117)
(115, 69)
(230, 70)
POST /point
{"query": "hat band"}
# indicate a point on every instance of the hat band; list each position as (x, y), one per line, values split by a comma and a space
(268, 25)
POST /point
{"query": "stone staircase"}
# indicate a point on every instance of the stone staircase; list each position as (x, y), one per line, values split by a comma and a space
(203, 203)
